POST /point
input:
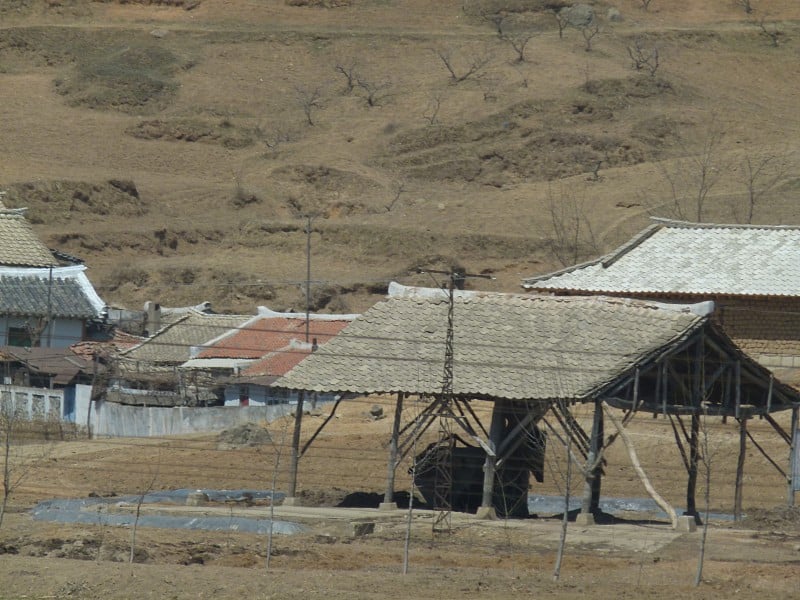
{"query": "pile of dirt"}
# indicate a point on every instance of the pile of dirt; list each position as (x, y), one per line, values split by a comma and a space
(243, 436)
(780, 518)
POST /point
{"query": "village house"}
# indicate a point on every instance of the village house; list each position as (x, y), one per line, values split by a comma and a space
(47, 305)
(250, 358)
(45, 297)
(751, 272)
(149, 373)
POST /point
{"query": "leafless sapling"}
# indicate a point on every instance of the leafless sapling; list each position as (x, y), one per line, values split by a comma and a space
(771, 32)
(278, 448)
(399, 190)
(146, 489)
(518, 40)
(707, 463)
(309, 99)
(347, 68)
(375, 91)
(571, 236)
(692, 178)
(760, 175)
(431, 112)
(645, 4)
(589, 32)
(477, 63)
(747, 6)
(642, 58)
(561, 20)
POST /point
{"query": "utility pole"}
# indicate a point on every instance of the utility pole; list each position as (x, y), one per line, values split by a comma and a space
(308, 274)
(444, 448)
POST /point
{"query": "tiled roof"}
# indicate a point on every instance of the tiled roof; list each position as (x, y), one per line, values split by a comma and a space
(691, 258)
(268, 334)
(19, 245)
(513, 346)
(279, 362)
(35, 296)
(173, 343)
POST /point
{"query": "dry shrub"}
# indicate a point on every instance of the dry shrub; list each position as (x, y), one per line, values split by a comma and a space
(125, 274)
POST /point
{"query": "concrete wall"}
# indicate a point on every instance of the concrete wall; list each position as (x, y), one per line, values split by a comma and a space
(33, 404)
(119, 420)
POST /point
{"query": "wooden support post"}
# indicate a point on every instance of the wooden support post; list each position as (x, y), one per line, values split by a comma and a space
(794, 459)
(593, 470)
(391, 467)
(496, 429)
(691, 486)
(737, 499)
(295, 459)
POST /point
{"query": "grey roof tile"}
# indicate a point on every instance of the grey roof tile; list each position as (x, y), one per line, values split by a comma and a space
(173, 343)
(34, 296)
(19, 245)
(508, 346)
(691, 258)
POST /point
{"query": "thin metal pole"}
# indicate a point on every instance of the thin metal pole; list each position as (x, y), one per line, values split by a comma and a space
(794, 460)
(308, 274)
(737, 498)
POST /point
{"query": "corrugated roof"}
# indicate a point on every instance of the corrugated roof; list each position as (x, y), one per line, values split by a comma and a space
(691, 258)
(173, 343)
(518, 347)
(37, 296)
(19, 245)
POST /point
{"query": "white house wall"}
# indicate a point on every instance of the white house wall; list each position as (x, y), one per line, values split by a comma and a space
(60, 333)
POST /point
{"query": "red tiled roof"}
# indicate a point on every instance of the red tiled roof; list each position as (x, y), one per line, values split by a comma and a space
(272, 334)
(277, 363)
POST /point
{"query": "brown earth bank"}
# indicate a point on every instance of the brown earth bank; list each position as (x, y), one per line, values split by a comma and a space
(358, 552)
(178, 146)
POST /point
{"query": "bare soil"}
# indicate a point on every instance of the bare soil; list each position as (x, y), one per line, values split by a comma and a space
(196, 110)
(636, 556)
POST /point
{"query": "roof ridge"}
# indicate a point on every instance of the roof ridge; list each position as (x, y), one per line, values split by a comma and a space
(677, 224)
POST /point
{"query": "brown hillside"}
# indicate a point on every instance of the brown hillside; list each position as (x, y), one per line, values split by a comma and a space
(167, 144)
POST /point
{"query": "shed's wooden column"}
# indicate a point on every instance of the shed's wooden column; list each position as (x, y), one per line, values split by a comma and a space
(291, 499)
(496, 429)
(591, 490)
(388, 496)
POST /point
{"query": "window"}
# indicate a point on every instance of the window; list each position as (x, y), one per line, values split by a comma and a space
(19, 336)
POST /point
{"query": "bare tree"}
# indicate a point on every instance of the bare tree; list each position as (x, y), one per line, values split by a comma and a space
(309, 99)
(692, 178)
(275, 470)
(496, 18)
(561, 20)
(399, 190)
(431, 112)
(276, 136)
(747, 5)
(645, 4)
(562, 538)
(476, 63)
(760, 176)
(589, 32)
(644, 59)
(706, 457)
(146, 489)
(347, 68)
(376, 91)
(572, 238)
(17, 461)
(518, 40)
(771, 32)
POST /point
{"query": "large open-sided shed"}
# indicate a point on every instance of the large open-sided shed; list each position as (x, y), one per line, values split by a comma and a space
(527, 354)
